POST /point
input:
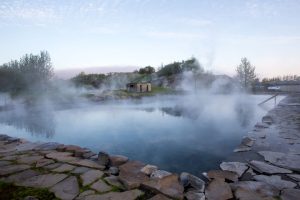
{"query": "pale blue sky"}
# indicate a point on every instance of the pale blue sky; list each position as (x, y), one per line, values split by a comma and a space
(92, 33)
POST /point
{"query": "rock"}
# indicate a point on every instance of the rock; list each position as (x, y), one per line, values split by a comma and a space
(289, 161)
(80, 170)
(242, 194)
(159, 174)
(193, 195)
(267, 120)
(103, 158)
(113, 170)
(90, 176)
(117, 160)
(4, 163)
(263, 167)
(61, 156)
(88, 163)
(290, 194)
(43, 162)
(64, 168)
(85, 193)
(149, 169)
(9, 169)
(29, 159)
(128, 195)
(247, 141)
(218, 190)
(187, 179)
(27, 146)
(72, 148)
(159, 197)
(47, 146)
(242, 148)
(67, 189)
(100, 186)
(275, 181)
(130, 174)
(89, 154)
(295, 177)
(253, 187)
(168, 185)
(114, 181)
(237, 167)
(261, 125)
(22, 176)
(218, 174)
(52, 166)
(43, 181)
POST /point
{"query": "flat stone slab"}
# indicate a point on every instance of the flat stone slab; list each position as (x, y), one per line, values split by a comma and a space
(190, 180)
(168, 186)
(149, 169)
(85, 193)
(130, 174)
(289, 161)
(242, 148)
(114, 181)
(61, 156)
(9, 169)
(43, 181)
(237, 167)
(52, 166)
(264, 167)
(22, 176)
(67, 189)
(290, 194)
(64, 168)
(80, 170)
(258, 188)
(117, 160)
(194, 195)
(275, 181)
(27, 146)
(159, 197)
(128, 195)
(4, 163)
(218, 174)
(218, 189)
(43, 162)
(29, 159)
(295, 177)
(101, 186)
(88, 163)
(90, 176)
(47, 146)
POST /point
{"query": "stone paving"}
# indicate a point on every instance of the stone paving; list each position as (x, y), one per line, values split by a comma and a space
(266, 166)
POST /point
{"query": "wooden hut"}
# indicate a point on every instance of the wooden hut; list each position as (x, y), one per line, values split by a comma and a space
(138, 87)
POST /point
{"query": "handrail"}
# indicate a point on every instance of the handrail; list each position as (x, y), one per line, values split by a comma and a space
(268, 99)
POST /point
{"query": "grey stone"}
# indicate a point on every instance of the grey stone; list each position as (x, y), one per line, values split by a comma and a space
(61, 156)
(43, 181)
(22, 176)
(295, 177)
(113, 170)
(90, 176)
(263, 167)
(85, 193)
(130, 174)
(168, 185)
(237, 167)
(101, 186)
(67, 189)
(218, 189)
(64, 168)
(27, 146)
(80, 170)
(261, 189)
(289, 161)
(247, 141)
(193, 195)
(242, 148)
(261, 125)
(52, 166)
(228, 175)
(149, 169)
(4, 163)
(128, 195)
(159, 197)
(275, 181)
(88, 163)
(114, 181)
(159, 174)
(267, 120)
(9, 169)
(43, 162)
(47, 146)
(187, 179)
(290, 194)
(29, 159)
(103, 158)
(117, 160)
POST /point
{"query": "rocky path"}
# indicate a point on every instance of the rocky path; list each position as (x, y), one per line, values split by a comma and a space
(265, 166)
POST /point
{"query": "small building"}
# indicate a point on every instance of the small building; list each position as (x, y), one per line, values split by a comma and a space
(138, 87)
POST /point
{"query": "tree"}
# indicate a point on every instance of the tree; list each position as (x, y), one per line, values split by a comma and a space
(147, 70)
(245, 74)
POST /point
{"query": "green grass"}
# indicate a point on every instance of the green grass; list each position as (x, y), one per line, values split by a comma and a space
(9, 191)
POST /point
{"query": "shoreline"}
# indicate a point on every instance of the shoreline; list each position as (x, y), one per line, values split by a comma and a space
(72, 172)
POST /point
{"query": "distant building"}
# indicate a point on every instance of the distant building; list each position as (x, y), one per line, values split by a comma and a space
(138, 87)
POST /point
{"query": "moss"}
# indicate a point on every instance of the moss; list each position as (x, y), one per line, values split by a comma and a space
(12, 192)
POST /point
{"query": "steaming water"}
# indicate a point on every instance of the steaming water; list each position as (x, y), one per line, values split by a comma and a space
(190, 133)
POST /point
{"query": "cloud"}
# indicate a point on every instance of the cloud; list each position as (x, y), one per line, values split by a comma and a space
(195, 22)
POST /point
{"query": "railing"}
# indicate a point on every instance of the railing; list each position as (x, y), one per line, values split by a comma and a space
(274, 96)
